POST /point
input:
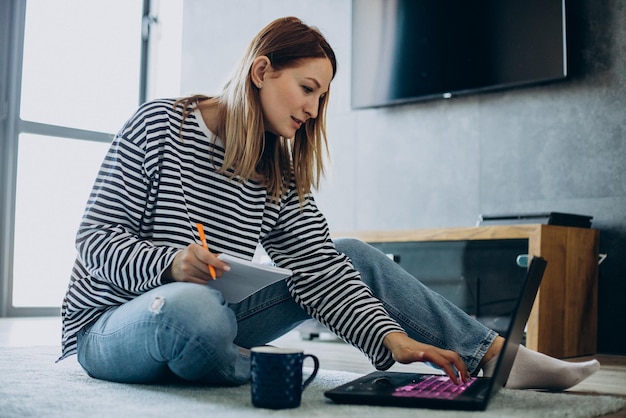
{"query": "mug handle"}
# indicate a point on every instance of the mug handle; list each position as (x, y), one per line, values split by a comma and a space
(316, 367)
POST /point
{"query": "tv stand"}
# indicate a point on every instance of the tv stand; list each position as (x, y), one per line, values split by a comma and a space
(563, 321)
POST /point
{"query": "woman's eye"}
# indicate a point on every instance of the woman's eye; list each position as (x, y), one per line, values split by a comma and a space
(307, 89)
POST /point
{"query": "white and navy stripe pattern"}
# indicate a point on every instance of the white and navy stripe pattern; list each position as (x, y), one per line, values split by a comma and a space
(152, 189)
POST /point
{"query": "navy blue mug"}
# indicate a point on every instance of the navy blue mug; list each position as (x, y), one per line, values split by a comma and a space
(277, 376)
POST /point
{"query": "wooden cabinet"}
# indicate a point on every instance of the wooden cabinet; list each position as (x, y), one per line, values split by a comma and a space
(563, 321)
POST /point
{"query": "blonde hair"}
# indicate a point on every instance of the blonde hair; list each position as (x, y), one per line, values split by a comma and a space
(251, 152)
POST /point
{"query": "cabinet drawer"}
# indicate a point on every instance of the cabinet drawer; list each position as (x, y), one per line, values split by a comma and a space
(482, 277)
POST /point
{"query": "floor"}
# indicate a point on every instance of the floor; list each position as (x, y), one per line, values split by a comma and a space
(333, 354)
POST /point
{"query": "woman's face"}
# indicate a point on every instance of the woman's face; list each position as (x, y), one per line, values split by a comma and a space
(291, 96)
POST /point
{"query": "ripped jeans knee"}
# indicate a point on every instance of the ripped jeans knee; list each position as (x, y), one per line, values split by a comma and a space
(180, 328)
(157, 304)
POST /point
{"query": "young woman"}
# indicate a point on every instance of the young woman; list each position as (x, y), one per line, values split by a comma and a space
(243, 164)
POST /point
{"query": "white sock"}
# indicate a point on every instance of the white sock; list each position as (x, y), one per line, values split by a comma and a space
(533, 370)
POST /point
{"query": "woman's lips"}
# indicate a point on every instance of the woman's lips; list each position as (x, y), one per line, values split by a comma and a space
(297, 122)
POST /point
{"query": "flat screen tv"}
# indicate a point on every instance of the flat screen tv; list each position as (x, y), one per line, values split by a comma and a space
(410, 50)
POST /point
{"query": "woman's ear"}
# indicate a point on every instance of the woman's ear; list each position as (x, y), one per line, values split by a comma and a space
(260, 67)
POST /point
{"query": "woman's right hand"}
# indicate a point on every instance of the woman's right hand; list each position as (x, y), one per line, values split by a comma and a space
(192, 265)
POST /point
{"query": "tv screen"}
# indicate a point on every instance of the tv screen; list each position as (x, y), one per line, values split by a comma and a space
(410, 50)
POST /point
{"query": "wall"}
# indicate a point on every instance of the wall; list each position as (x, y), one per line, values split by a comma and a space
(557, 147)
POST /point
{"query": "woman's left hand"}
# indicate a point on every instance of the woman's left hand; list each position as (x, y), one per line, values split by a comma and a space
(406, 350)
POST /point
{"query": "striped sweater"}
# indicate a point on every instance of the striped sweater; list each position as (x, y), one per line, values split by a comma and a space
(152, 189)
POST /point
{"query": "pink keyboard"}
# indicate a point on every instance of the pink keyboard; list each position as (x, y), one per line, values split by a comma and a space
(433, 387)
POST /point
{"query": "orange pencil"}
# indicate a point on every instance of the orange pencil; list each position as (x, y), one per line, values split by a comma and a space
(206, 247)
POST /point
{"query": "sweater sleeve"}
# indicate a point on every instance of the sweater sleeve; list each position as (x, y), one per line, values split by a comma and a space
(325, 283)
(109, 240)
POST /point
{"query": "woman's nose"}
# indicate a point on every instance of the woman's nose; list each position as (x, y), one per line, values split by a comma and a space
(311, 108)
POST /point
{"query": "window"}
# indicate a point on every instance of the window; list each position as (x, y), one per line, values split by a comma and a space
(52, 188)
(82, 70)
(81, 62)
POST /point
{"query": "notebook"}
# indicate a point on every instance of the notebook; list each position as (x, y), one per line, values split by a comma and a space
(246, 277)
(418, 390)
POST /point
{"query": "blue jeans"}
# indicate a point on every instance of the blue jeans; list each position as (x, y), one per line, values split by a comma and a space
(187, 331)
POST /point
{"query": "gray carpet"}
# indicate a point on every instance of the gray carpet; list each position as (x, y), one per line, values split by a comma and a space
(32, 385)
